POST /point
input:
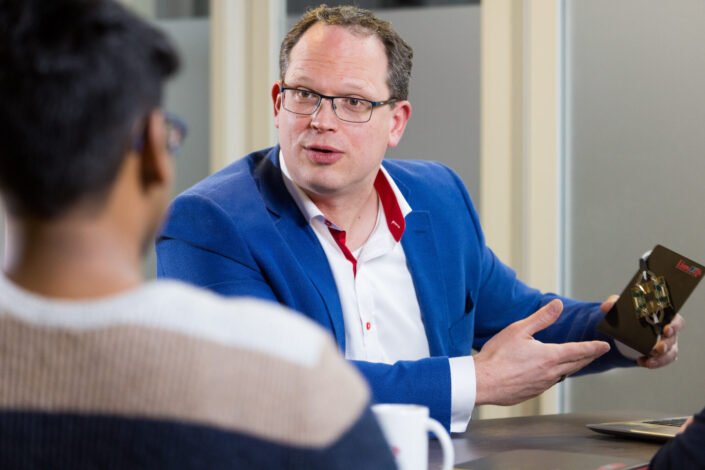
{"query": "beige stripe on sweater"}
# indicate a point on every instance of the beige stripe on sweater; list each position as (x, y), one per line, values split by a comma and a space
(153, 373)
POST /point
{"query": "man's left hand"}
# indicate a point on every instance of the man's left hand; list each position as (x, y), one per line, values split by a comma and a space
(666, 350)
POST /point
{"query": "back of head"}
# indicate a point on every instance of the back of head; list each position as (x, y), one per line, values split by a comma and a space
(76, 79)
(399, 53)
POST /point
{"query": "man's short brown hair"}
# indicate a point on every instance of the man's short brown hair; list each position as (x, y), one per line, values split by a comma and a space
(399, 53)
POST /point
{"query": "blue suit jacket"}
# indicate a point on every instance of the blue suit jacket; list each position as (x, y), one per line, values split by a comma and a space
(239, 232)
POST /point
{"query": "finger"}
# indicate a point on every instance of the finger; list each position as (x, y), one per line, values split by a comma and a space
(609, 303)
(542, 318)
(571, 357)
(670, 336)
(659, 361)
(573, 367)
(641, 362)
(663, 346)
(580, 351)
(674, 327)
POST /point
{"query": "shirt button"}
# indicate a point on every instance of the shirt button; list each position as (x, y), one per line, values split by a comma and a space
(368, 325)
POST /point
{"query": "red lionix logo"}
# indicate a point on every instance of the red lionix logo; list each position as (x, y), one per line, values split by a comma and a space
(689, 270)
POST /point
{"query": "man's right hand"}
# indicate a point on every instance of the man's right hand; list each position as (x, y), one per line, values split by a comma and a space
(513, 366)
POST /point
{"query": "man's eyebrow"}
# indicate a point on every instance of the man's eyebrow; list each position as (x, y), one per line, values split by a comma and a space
(352, 88)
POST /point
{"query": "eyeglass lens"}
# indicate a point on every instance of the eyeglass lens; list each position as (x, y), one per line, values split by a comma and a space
(175, 134)
(346, 108)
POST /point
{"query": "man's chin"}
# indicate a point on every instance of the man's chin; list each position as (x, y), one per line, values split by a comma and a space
(324, 189)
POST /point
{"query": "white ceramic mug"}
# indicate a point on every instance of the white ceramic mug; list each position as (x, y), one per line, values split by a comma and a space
(406, 428)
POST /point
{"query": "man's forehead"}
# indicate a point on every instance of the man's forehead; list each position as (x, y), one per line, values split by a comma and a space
(324, 39)
(349, 32)
(355, 61)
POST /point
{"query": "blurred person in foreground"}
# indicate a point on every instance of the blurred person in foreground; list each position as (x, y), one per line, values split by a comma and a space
(686, 451)
(101, 370)
(388, 255)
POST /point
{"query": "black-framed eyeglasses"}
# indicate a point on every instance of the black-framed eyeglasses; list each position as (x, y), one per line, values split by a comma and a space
(175, 132)
(346, 108)
(175, 129)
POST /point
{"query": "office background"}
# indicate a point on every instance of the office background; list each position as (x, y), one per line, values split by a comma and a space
(635, 150)
(627, 128)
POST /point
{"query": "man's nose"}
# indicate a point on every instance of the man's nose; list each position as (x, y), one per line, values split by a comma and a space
(325, 118)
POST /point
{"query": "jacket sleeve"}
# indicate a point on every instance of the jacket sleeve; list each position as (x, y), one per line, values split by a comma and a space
(424, 382)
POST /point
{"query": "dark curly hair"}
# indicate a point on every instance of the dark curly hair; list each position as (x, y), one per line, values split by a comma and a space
(76, 78)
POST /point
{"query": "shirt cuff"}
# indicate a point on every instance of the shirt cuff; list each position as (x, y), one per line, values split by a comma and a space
(462, 392)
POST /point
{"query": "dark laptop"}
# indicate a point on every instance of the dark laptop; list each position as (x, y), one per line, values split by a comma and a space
(650, 429)
(536, 459)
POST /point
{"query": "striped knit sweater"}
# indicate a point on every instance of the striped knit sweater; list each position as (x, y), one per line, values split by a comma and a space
(168, 376)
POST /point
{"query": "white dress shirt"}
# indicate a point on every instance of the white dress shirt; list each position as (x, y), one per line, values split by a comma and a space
(381, 312)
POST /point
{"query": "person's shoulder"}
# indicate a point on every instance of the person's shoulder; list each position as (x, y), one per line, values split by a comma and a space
(419, 171)
(241, 322)
(414, 166)
(427, 184)
(235, 177)
(234, 190)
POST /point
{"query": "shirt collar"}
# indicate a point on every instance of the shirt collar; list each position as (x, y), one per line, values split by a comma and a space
(393, 202)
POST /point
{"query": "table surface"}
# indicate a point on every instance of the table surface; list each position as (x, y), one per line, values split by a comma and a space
(563, 432)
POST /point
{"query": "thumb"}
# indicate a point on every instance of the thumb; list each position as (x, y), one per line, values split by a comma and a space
(543, 317)
(609, 303)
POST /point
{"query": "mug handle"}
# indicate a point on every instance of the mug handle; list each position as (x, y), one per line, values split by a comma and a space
(446, 445)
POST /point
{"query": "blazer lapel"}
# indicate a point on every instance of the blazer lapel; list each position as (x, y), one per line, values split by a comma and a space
(302, 241)
(421, 253)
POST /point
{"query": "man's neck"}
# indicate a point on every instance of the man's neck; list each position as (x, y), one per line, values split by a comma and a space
(70, 259)
(356, 215)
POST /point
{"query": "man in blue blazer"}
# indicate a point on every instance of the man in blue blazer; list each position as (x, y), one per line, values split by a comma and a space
(387, 255)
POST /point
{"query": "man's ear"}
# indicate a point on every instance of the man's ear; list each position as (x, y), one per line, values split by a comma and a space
(277, 101)
(400, 116)
(156, 167)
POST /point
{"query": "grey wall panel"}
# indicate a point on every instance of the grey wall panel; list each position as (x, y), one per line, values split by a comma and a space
(635, 141)
(188, 95)
(445, 87)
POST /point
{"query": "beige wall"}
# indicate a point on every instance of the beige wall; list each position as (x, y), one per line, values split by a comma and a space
(245, 35)
(520, 156)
